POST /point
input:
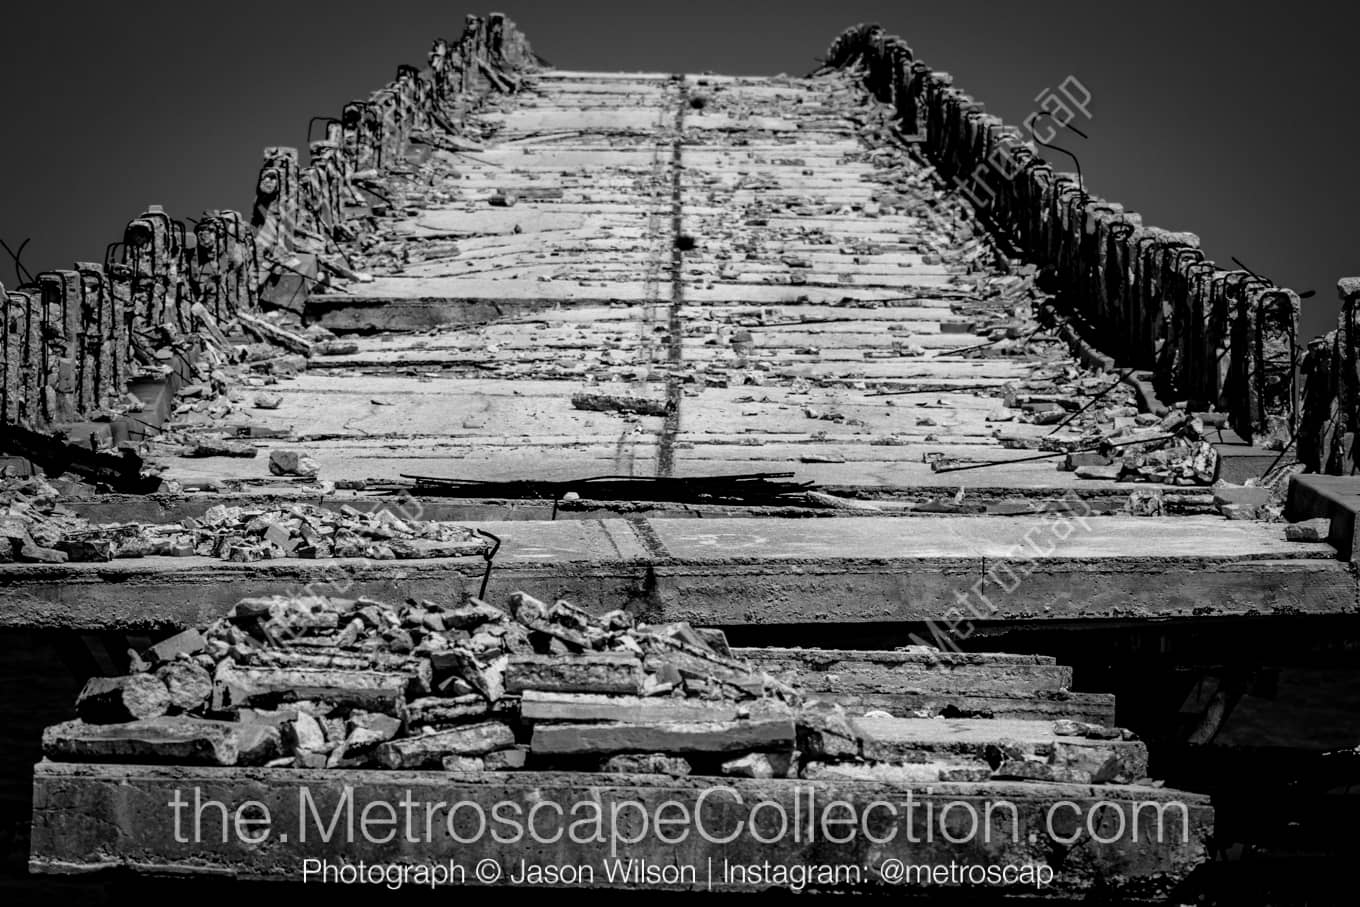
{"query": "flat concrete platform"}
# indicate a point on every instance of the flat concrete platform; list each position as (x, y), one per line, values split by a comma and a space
(1136, 842)
(731, 572)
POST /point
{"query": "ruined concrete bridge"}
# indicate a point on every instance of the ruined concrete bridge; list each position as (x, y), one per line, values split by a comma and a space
(687, 276)
(828, 401)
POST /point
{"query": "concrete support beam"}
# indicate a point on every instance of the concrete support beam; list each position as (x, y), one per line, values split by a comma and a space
(758, 572)
(1059, 827)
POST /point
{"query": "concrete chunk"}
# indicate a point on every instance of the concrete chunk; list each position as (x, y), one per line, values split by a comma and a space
(376, 691)
(680, 737)
(189, 642)
(536, 705)
(759, 765)
(646, 764)
(506, 760)
(1316, 530)
(174, 740)
(189, 684)
(111, 700)
(438, 710)
(463, 764)
(598, 672)
(430, 749)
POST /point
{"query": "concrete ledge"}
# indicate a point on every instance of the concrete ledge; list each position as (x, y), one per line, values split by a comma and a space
(88, 818)
(732, 572)
(1336, 498)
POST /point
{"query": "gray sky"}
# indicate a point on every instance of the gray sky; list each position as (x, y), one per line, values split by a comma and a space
(1204, 117)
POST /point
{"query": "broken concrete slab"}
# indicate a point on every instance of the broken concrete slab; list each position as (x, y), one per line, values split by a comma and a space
(429, 749)
(139, 834)
(538, 705)
(167, 739)
(677, 737)
(114, 700)
(378, 691)
(618, 673)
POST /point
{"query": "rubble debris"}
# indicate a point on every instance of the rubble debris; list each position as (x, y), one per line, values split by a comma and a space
(1318, 530)
(1248, 502)
(292, 463)
(170, 739)
(35, 526)
(759, 765)
(679, 737)
(619, 403)
(111, 700)
(613, 672)
(217, 447)
(646, 764)
(546, 706)
(431, 749)
(316, 682)
(270, 332)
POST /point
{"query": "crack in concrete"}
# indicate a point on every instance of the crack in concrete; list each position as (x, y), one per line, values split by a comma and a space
(665, 457)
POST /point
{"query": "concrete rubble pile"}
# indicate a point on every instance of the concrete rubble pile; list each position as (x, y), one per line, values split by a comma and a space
(334, 683)
(36, 527)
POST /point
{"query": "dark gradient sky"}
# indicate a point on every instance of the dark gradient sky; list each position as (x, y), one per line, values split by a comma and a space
(1237, 125)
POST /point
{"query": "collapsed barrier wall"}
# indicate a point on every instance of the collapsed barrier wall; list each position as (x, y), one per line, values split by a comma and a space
(1212, 337)
(72, 340)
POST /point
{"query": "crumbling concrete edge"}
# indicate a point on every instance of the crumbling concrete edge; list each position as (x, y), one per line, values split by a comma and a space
(1335, 498)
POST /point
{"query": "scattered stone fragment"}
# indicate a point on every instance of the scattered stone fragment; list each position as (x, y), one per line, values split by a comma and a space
(618, 403)
(292, 463)
(368, 729)
(463, 764)
(437, 711)
(646, 764)
(1065, 727)
(1107, 761)
(377, 691)
(113, 700)
(169, 739)
(1242, 501)
(828, 734)
(909, 773)
(759, 765)
(596, 672)
(186, 642)
(679, 737)
(506, 760)
(305, 734)
(217, 448)
(1032, 770)
(536, 705)
(273, 333)
(1317, 530)
(189, 683)
(430, 749)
